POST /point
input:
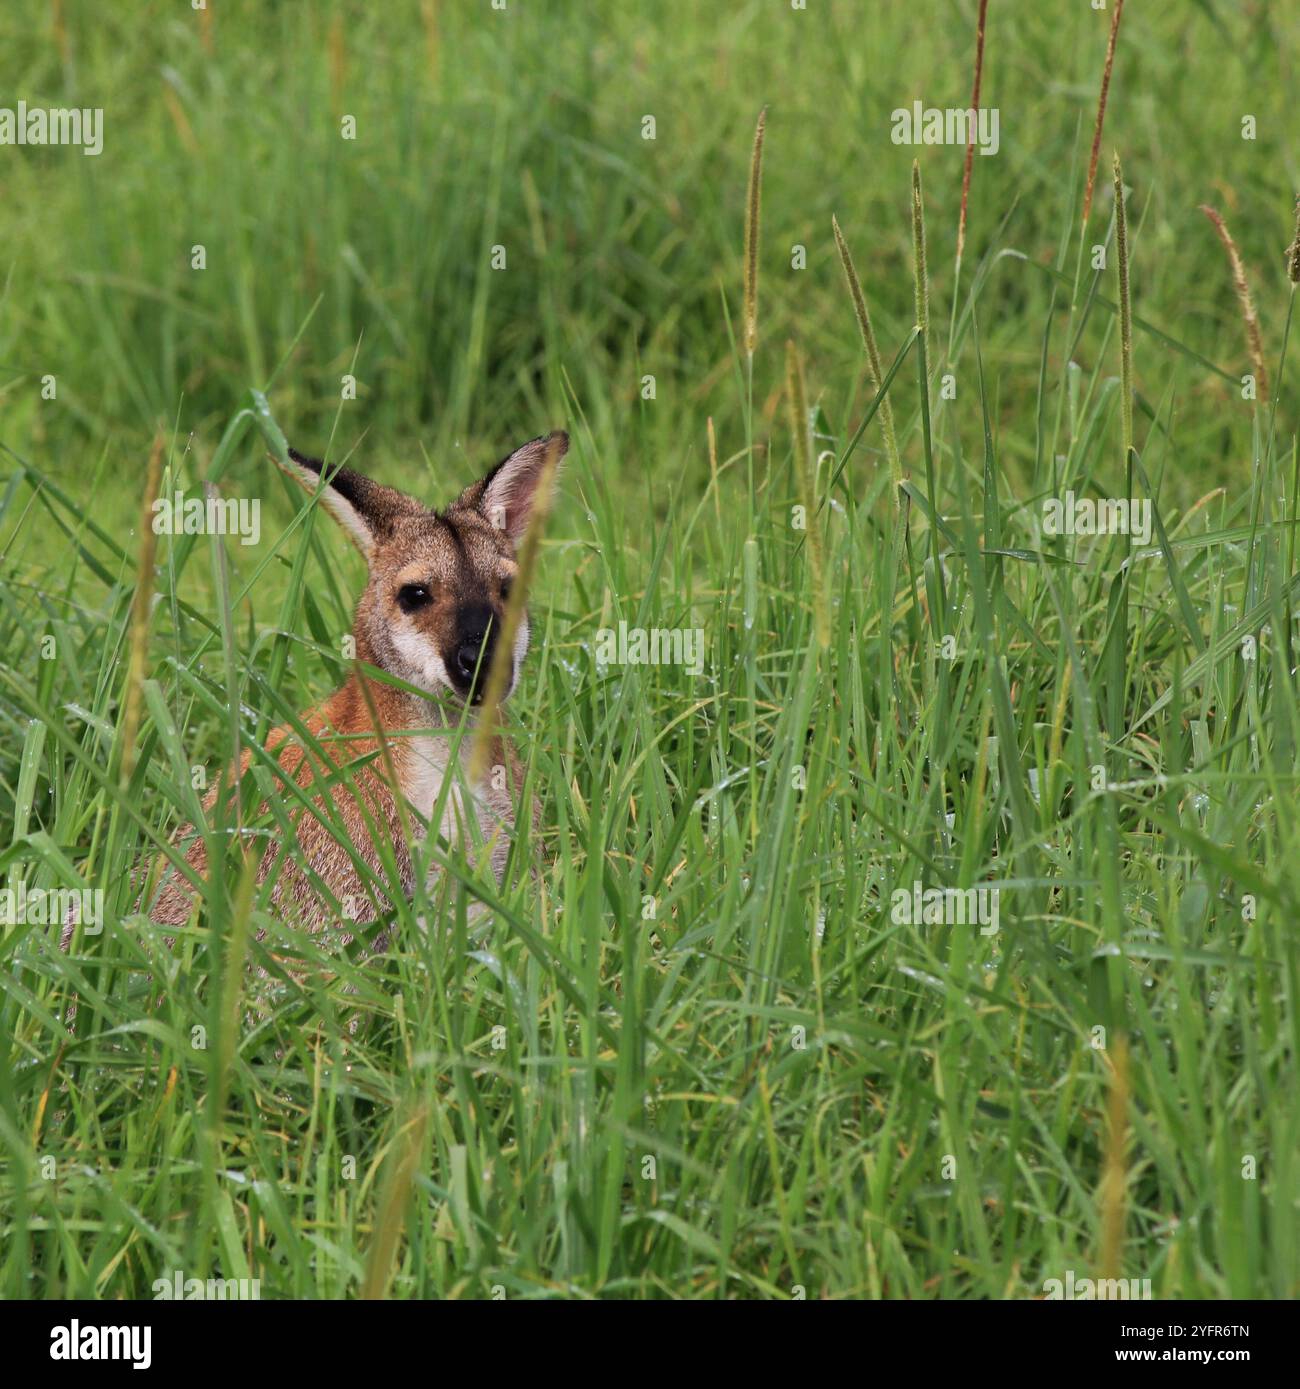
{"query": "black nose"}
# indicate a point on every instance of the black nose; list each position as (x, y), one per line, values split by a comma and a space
(472, 653)
(469, 659)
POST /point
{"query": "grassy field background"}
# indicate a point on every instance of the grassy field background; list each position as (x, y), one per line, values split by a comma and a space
(696, 1058)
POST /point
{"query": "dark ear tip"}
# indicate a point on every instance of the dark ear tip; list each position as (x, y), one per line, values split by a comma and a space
(313, 463)
(560, 438)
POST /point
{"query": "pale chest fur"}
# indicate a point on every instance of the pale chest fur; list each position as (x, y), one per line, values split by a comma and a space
(474, 816)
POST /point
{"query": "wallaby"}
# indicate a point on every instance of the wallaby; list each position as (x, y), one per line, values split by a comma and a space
(430, 614)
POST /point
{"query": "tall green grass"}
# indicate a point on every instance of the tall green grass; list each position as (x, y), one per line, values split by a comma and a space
(695, 1056)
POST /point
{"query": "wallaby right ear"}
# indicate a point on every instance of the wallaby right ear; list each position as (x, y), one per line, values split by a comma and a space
(507, 494)
(366, 510)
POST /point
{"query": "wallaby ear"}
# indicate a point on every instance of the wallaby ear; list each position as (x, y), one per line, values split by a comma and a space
(366, 510)
(507, 494)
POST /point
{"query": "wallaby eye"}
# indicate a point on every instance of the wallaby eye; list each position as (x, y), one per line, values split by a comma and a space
(505, 590)
(413, 596)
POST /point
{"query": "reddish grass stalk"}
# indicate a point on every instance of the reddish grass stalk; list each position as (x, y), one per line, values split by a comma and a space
(970, 144)
(1101, 108)
(1125, 310)
(141, 608)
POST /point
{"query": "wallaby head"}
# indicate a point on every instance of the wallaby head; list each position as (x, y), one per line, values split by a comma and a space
(438, 583)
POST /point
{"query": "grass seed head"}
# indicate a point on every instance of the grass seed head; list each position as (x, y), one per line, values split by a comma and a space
(753, 203)
(918, 251)
(1254, 337)
(873, 354)
(797, 399)
(1293, 250)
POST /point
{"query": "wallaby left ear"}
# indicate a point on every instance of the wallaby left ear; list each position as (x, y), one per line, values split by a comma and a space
(367, 510)
(507, 494)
